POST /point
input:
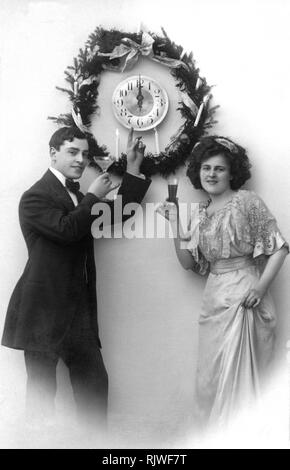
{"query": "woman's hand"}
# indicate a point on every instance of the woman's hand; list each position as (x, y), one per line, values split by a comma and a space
(169, 210)
(252, 298)
(102, 185)
(274, 263)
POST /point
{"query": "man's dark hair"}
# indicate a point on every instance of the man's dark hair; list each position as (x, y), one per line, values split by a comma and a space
(63, 134)
(214, 145)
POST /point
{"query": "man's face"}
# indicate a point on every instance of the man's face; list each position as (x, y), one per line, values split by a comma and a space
(71, 158)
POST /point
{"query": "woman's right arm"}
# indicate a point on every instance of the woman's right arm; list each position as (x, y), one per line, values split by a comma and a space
(185, 258)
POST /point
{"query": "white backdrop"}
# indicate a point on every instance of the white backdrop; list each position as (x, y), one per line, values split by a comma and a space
(148, 305)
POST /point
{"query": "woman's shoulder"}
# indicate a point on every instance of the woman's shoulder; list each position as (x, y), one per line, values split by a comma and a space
(248, 196)
(247, 193)
(254, 205)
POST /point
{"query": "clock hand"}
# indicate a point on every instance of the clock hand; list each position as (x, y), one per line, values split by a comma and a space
(140, 97)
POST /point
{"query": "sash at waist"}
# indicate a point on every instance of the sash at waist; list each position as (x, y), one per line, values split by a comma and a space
(226, 265)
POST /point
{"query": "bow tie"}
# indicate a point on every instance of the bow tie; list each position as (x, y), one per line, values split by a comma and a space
(72, 186)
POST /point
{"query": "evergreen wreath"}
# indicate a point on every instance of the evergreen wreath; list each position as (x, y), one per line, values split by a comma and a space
(84, 78)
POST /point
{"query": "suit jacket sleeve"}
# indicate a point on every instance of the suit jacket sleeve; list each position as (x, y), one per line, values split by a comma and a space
(132, 190)
(42, 213)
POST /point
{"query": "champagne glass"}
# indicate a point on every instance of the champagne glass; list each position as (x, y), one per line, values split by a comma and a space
(104, 161)
(172, 184)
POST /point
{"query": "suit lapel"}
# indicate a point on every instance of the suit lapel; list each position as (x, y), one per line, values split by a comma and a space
(57, 190)
(79, 196)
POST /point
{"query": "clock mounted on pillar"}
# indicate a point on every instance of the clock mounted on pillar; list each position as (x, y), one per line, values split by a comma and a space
(140, 102)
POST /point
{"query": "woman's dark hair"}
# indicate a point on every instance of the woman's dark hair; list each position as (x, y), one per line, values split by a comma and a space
(209, 147)
(63, 134)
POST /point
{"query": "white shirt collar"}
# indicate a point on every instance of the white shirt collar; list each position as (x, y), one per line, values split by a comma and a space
(59, 175)
(62, 179)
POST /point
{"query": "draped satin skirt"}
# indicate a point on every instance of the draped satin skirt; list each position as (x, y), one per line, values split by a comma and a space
(235, 343)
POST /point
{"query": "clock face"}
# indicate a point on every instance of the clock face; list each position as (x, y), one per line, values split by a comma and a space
(140, 102)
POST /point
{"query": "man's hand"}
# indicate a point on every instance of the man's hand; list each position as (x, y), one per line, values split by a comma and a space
(102, 185)
(135, 153)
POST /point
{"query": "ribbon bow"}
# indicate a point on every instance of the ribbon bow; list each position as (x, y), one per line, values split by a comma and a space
(130, 51)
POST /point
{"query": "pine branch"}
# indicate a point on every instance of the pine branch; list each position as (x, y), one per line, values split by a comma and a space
(65, 90)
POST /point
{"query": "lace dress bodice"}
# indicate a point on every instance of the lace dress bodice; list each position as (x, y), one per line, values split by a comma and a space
(243, 227)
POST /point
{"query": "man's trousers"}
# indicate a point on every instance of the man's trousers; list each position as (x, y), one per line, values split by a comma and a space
(81, 354)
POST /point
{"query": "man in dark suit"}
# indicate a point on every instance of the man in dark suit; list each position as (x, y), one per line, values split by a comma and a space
(52, 313)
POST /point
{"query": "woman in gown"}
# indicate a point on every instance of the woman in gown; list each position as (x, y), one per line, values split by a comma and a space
(234, 239)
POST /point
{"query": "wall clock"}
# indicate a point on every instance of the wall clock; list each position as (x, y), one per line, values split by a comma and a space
(140, 102)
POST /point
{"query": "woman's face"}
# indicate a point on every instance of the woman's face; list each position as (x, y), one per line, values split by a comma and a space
(215, 175)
